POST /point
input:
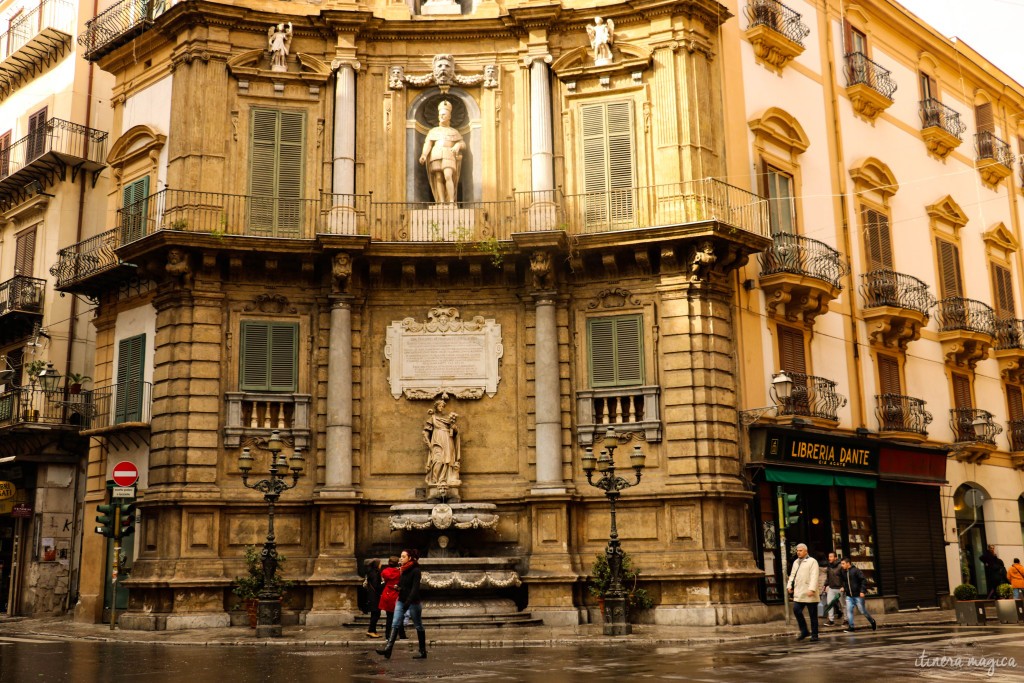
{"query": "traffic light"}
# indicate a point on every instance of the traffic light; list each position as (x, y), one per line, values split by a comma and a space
(106, 520)
(127, 520)
(790, 508)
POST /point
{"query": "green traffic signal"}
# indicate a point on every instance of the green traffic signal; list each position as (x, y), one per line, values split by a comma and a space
(790, 509)
(106, 520)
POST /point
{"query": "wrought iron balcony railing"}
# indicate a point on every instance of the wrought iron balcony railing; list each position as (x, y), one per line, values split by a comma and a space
(119, 403)
(972, 425)
(116, 25)
(56, 15)
(777, 17)
(988, 146)
(32, 405)
(1016, 434)
(935, 114)
(811, 397)
(859, 69)
(22, 294)
(889, 288)
(628, 409)
(957, 313)
(1009, 334)
(803, 256)
(85, 259)
(690, 201)
(60, 138)
(898, 413)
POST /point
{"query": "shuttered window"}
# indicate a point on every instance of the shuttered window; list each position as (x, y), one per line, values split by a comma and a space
(927, 86)
(607, 131)
(36, 135)
(269, 356)
(856, 41)
(950, 280)
(877, 239)
(1002, 287)
(275, 172)
(791, 350)
(889, 375)
(1015, 402)
(961, 391)
(5, 154)
(131, 357)
(25, 253)
(781, 205)
(983, 120)
(134, 210)
(616, 351)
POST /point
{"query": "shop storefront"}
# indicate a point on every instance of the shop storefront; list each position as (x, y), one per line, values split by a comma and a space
(874, 502)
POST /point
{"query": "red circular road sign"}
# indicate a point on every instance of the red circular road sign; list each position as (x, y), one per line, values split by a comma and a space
(125, 473)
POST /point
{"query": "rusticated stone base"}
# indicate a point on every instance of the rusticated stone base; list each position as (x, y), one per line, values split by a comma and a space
(131, 621)
(329, 617)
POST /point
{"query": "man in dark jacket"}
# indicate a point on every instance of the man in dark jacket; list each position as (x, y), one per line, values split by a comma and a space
(373, 587)
(855, 586)
(833, 590)
(408, 603)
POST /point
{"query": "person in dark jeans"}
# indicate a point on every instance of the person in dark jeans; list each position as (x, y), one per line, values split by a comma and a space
(373, 588)
(408, 603)
(833, 589)
(855, 586)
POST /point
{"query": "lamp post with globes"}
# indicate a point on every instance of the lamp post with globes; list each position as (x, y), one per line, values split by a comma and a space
(615, 604)
(268, 620)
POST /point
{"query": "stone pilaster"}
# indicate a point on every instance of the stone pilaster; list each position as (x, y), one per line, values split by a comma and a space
(547, 397)
(338, 457)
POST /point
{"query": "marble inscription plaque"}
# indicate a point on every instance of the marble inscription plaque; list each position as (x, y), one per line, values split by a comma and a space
(445, 354)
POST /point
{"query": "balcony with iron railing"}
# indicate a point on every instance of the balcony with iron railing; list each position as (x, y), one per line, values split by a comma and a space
(627, 409)
(118, 406)
(35, 408)
(800, 276)
(1009, 348)
(1015, 433)
(967, 329)
(902, 417)
(21, 306)
(45, 156)
(118, 24)
(34, 40)
(995, 158)
(775, 31)
(896, 307)
(810, 397)
(869, 86)
(254, 415)
(941, 127)
(974, 433)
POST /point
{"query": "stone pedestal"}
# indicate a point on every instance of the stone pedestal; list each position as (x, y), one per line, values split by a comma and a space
(440, 7)
(441, 223)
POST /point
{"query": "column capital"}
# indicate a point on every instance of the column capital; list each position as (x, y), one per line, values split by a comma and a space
(528, 60)
(546, 297)
(339, 63)
(342, 301)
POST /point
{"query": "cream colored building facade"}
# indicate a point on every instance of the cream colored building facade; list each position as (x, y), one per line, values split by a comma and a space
(54, 119)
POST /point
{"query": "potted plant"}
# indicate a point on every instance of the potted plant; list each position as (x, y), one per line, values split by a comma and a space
(969, 610)
(1006, 607)
(601, 577)
(248, 587)
(32, 370)
(75, 382)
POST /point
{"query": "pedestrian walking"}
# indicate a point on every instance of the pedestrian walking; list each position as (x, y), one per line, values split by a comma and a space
(995, 571)
(408, 602)
(833, 590)
(372, 584)
(1016, 576)
(805, 587)
(855, 586)
(389, 596)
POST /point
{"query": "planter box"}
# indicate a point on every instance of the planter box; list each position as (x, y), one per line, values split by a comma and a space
(1010, 611)
(972, 612)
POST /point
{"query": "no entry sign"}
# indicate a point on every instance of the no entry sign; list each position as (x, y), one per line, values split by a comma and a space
(125, 473)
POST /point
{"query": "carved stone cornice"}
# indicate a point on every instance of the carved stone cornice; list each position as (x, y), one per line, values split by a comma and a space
(963, 348)
(992, 172)
(940, 142)
(771, 48)
(797, 298)
(867, 102)
(890, 327)
(1011, 364)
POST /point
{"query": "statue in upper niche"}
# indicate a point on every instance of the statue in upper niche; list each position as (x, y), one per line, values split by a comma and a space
(602, 37)
(279, 39)
(442, 155)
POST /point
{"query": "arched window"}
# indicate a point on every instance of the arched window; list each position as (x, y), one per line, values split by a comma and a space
(970, 530)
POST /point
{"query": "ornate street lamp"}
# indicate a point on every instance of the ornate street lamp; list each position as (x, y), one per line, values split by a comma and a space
(268, 619)
(49, 378)
(616, 623)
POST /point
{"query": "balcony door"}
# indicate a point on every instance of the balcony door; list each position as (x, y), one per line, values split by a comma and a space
(25, 253)
(36, 136)
(131, 355)
(607, 131)
(5, 154)
(275, 173)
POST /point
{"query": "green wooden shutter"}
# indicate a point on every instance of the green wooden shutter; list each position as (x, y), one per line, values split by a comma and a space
(131, 354)
(595, 164)
(877, 239)
(134, 210)
(616, 351)
(1002, 285)
(289, 173)
(607, 133)
(269, 356)
(263, 171)
(277, 143)
(620, 161)
(889, 375)
(950, 281)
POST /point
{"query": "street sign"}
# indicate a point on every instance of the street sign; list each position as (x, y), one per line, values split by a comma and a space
(8, 490)
(21, 510)
(125, 473)
(122, 492)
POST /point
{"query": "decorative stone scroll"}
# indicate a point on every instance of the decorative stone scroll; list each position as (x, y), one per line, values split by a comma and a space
(442, 75)
(444, 355)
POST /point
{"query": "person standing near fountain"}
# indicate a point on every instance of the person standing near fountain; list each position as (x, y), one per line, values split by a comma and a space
(444, 452)
(373, 593)
(408, 602)
(389, 596)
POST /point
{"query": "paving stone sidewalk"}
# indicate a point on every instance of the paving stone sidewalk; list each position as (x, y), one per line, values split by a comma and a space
(533, 636)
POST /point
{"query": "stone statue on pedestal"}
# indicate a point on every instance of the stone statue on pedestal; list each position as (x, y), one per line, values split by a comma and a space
(602, 37)
(279, 40)
(442, 155)
(444, 456)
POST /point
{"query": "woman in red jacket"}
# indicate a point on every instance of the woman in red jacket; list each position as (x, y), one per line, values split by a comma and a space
(389, 595)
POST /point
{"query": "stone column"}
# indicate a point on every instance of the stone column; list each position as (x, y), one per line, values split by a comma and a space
(338, 460)
(547, 397)
(542, 214)
(343, 179)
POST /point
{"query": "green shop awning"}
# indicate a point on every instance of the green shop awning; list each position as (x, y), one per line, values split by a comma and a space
(817, 478)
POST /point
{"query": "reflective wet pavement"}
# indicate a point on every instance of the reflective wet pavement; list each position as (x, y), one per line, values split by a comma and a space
(930, 653)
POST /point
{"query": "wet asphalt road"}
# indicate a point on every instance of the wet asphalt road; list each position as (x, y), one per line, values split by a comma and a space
(895, 655)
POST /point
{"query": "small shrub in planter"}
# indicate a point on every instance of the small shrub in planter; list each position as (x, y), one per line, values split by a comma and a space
(248, 587)
(965, 591)
(1004, 591)
(601, 577)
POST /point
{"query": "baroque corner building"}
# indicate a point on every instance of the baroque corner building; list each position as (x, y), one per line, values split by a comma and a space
(282, 252)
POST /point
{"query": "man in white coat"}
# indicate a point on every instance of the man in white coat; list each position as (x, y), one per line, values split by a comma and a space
(805, 587)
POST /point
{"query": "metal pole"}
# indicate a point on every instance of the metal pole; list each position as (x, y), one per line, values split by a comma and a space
(116, 566)
(783, 554)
